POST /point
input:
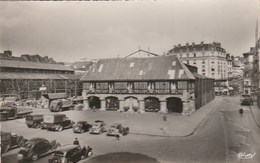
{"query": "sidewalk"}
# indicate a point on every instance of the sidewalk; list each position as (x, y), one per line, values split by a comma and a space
(256, 114)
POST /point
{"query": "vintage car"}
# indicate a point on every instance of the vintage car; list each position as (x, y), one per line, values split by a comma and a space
(81, 126)
(36, 147)
(117, 128)
(10, 140)
(98, 127)
(34, 120)
(246, 99)
(70, 154)
(56, 122)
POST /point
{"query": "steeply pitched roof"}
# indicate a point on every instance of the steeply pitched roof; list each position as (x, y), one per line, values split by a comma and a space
(154, 68)
(32, 65)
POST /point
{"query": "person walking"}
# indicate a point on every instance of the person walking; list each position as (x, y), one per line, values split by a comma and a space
(165, 117)
(241, 111)
(76, 142)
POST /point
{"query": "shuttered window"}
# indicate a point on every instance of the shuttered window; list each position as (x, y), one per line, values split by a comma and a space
(120, 85)
(182, 85)
(102, 86)
(140, 85)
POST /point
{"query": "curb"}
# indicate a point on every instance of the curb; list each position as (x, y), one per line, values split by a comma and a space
(192, 132)
(256, 121)
(203, 120)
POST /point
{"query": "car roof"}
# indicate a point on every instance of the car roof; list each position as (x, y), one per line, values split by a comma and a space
(66, 148)
(82, 122)
(115, 124)
(36, 140)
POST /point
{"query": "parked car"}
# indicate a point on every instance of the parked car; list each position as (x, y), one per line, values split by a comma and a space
(81, 126)
(70, 154)
(117, 128)
(246, 99)
(34, 120)
(57, 122)
(98, 127)
(36, 147)
(10, 140)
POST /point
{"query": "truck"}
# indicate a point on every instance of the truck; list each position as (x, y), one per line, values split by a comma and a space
(13, 112)
(34, 120)
(60, 105)
(57, 122)
(10, 140)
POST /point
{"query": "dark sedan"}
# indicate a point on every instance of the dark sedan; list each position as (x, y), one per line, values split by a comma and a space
(36, 147)
(81, 126)
(70, 154)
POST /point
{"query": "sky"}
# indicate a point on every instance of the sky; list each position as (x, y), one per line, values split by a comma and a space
(70, 31)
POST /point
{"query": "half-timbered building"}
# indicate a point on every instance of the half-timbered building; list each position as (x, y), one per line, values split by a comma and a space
(159, 84)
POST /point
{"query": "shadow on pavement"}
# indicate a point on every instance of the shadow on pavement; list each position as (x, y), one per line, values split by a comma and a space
(123, 157)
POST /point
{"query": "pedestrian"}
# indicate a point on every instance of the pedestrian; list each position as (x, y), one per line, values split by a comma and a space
(76, 142)
(117, 136)
(165, 117)
(241, 112)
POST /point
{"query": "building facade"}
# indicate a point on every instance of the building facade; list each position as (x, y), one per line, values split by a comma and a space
(248, 74)
(210, 58)
(159, 84)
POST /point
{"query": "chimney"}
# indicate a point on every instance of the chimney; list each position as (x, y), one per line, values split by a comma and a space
(202, 42)
(187, 44)
(179, 45)
(193, 43)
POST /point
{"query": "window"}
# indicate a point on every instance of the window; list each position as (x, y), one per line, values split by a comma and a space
(194, 62)
(188, 62)
(187, 55)
(203, 61)
(194, 54)
(203, 70)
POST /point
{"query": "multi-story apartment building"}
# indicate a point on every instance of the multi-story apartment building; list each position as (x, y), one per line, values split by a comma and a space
(248, 72)
(209, 58)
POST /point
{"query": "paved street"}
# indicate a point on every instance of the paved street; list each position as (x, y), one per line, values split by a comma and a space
(220, 138)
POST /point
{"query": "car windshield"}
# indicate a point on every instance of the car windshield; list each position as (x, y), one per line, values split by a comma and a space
(27, 145)
(96, 125)
(245, 96)
(114, 125)
(79, 125)
(58, 153)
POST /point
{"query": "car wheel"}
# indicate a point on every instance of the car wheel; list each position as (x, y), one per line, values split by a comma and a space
(3, 118)
(60, 128)
(90, 153)
(5, 148)
(34, 157)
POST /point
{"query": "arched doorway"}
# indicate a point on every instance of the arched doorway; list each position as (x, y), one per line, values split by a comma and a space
(112, 103)
(131, 103)
(94, 102)
(174, 104)
(151, 104)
